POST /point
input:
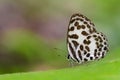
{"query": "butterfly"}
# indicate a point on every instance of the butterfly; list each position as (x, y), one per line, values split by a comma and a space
(84, 42)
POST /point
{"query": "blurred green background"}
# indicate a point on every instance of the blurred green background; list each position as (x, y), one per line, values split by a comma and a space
(33, 32)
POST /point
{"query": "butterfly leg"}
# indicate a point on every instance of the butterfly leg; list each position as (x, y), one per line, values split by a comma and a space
(71, 63)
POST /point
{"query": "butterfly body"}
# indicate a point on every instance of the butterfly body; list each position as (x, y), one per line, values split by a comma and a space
(84, 42)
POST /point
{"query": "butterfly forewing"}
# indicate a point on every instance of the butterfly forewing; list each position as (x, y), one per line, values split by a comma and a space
(84, 42)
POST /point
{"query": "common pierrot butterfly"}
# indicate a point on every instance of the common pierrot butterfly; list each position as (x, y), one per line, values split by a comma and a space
(84, 42)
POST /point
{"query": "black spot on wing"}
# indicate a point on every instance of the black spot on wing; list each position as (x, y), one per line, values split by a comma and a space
(75, 43)
(74, 36)
(73, 52)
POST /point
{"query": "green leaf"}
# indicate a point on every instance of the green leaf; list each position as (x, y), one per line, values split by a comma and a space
(104, 69)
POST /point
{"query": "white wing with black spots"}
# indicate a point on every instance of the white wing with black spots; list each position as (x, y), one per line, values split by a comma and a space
(84, 42)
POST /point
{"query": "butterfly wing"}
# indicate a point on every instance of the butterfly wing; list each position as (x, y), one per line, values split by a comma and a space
(80, 41)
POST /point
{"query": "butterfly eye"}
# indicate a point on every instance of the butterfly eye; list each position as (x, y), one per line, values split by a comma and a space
(84, 42)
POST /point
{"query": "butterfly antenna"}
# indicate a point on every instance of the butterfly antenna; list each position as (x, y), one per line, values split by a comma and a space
(61, 50)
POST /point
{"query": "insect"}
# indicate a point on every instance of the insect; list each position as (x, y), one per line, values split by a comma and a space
(84, 42)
